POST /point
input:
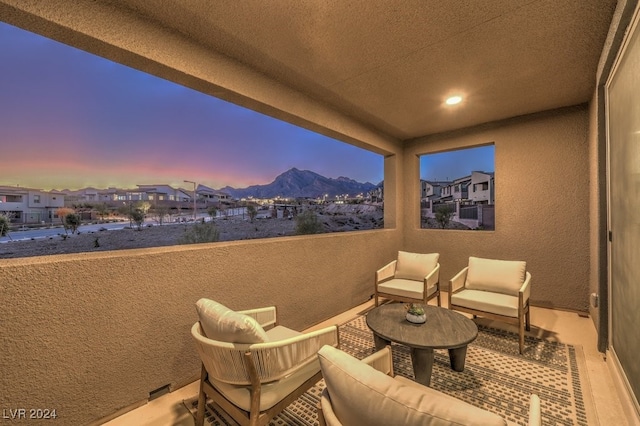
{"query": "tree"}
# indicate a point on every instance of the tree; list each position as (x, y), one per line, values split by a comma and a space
(212, 211)
(252, 212)
(444, 213)
(72, 221)
(137, 216)
(123, 210)
(102, 209)
(143, 206)
(5, 221)
(62, 213)
(307, 223)
(159, 212)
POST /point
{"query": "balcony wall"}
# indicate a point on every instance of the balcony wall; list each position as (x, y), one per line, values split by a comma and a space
(90, 334)
(542, 175)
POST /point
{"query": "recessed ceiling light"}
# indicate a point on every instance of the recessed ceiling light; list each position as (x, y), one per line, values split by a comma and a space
(453, 100)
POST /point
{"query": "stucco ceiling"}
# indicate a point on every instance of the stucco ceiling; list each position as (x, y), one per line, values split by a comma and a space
(390, 64)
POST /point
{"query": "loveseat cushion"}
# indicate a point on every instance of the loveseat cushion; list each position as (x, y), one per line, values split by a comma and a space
(498, 276)
(415, 266)
(225, 325)
(361, 395)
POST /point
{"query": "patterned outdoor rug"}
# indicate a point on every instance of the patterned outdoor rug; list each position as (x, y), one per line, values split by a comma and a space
(496, 378)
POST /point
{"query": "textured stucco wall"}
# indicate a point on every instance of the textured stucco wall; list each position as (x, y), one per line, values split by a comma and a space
(542, 204)
(90, 334)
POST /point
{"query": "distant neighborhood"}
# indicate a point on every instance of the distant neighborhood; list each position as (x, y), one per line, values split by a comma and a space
(36, 206)
(29, 205)
(468, 200)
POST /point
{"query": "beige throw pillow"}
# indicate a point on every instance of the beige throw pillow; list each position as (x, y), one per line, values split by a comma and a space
(225, 325)
(415, 266)
(499, 276)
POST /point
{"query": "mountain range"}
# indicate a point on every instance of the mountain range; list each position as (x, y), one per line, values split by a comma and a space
(302, 184)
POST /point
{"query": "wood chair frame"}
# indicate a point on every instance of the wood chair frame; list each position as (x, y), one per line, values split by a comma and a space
(248, 365)
(387, 272)
(523, 320)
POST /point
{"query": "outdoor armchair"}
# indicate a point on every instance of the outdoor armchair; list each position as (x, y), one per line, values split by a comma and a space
(496, 289)
(366, 392)
(250, 373)
(412, 278)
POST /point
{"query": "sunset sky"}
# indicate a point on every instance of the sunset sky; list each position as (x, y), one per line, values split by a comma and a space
(70, 119)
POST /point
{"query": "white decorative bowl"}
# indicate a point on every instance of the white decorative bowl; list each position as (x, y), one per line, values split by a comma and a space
(416, 319)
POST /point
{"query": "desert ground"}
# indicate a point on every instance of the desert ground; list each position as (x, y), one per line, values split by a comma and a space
(334, 219)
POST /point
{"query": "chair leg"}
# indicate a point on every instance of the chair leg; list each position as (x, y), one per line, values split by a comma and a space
(321, 420)
(528, 318)
(439, 301)
(521, 334)
(202, 399)
(376, 297)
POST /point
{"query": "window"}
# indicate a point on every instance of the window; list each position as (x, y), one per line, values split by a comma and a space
(463, 189)
(157, 153)
(36, 199)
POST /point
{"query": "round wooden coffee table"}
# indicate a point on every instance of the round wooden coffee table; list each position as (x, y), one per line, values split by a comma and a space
(443, 329)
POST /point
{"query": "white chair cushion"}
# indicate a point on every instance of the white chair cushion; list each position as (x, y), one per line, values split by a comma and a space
(415, 266)
(225, 325)
(495, 303)
(361, 395)
(280, 332)
(405, 288)
(499, 276)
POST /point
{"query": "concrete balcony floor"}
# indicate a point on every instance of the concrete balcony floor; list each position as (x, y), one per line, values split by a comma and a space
(566, 327)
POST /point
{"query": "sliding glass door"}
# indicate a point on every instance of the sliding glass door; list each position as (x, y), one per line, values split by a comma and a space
(623, 107)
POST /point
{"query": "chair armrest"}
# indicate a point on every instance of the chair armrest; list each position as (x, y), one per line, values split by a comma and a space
(265, 316)
(275, 360)
(433, 278)
(457, 282)
(381, 360)
(535, 416)
(525, 290)
(386, 272)
(326, 415)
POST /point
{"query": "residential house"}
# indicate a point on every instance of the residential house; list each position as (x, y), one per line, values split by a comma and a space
(431, 191)
(482, 188)
(28, 205)
(377, 193)
(210, 195)
(82, 196)
(161, 193)
(546, 81)
(456, 191)
(117, 196)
